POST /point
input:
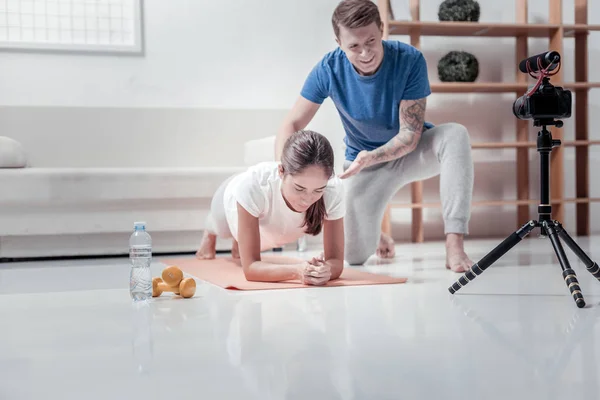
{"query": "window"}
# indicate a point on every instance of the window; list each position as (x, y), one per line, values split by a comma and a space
(72, 25)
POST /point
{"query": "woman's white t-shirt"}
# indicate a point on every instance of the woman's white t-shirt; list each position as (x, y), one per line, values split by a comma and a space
(258, 190)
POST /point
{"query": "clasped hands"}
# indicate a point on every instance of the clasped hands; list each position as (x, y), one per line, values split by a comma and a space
(315, 272)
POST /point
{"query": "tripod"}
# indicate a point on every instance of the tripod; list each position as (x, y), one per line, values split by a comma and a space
(548, 227)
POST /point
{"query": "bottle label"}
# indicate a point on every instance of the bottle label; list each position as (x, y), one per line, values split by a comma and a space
(140, 252)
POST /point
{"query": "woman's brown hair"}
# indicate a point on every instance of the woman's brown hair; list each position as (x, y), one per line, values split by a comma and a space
(301, 149)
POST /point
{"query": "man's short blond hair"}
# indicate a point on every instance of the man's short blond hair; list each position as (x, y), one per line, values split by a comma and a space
(353, 14)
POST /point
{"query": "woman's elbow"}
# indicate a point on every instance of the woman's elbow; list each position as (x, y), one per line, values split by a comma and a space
(250, 273)
(252, 276)
(336, 272)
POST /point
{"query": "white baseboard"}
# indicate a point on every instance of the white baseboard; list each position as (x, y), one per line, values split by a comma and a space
(104, 244)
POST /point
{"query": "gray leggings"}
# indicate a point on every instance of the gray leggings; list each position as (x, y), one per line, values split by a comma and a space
(444, 150)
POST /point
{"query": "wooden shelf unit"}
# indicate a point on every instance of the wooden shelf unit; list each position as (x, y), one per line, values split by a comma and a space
(500, 203)
(486, 29)
(521, 30)
(500, 87)
(520, 144)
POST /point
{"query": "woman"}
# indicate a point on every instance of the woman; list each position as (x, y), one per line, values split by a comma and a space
(273, 204)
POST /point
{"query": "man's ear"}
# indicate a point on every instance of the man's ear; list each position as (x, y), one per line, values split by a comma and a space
(280, 169)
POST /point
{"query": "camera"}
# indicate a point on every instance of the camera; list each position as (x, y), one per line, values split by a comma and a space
(547, 101)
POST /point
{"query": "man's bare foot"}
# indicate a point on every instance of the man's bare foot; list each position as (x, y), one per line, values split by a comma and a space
(456, 258)
(208, 247)
(235, 250)
(386, 247)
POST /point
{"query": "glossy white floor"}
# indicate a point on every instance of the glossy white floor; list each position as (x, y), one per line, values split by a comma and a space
(68, 331)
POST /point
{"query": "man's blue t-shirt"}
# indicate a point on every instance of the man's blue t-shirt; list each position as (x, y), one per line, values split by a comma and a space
(369, 105)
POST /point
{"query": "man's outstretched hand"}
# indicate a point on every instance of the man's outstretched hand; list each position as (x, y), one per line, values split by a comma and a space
(362, 160)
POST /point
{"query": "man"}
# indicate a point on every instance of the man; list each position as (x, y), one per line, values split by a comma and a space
(379, 89)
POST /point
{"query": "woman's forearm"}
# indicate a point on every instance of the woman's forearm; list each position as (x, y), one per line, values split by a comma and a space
(262, 271)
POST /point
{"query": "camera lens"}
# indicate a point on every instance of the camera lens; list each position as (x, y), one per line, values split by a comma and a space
(520, 108)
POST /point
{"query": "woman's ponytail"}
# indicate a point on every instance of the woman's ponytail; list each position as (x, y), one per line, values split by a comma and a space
(313, 219)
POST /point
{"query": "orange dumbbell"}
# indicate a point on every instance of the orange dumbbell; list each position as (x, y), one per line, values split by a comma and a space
(172, 281)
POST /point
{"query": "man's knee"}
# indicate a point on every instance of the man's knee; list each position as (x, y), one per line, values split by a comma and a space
(356, 256)
(457, 133)
(357, 251)
(451, 140)
(359, 234)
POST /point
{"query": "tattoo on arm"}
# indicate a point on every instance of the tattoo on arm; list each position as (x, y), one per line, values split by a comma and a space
(412, 117)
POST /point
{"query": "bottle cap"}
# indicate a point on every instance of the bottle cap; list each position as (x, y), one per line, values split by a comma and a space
(139, 225)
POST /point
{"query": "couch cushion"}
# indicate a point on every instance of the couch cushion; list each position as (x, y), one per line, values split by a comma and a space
(12, 154)
(74, 201)
(259, 150)
(81, 185)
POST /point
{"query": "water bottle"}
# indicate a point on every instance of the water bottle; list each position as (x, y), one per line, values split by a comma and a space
(301, 244)
(140, 255)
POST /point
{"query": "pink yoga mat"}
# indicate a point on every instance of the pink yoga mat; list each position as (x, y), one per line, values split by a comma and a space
(227, 273)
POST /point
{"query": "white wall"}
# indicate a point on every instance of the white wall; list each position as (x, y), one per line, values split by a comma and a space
(199, 53)
(254, 55)
(243, 54)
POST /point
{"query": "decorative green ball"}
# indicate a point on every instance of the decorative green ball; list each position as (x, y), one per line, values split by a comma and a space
(458, 66)
(459, 10)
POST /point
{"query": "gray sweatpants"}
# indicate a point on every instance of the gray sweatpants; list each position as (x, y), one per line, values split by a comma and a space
(444, 150)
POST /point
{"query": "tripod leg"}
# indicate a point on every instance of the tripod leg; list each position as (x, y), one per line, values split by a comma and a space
(568, 273)
(591, 266)
(490, 258)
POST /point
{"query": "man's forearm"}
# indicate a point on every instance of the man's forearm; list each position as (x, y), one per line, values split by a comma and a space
(412, 117)
(285, 131)
(400, 145)
(298, 118)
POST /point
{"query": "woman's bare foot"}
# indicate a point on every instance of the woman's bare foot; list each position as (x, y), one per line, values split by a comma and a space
(208, 247)
(456, 258)
(386, 247)
(235, 250)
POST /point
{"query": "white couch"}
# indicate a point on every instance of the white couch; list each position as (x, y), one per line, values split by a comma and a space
(79, 196)
(74, 212)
